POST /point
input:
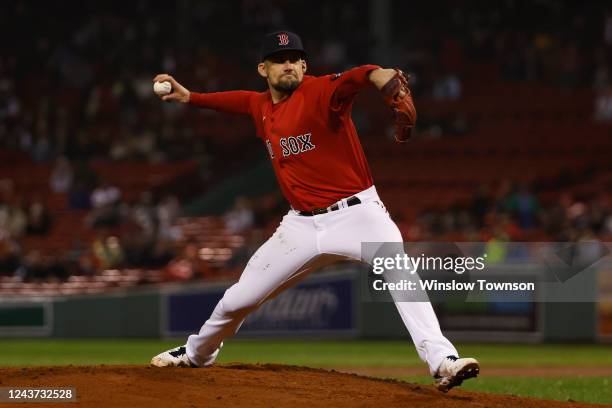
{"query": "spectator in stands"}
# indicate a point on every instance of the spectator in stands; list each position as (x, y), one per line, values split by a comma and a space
(9, 254)
(121, 147)
(162, 253)
(240, 217)
(149, 234)
(32, 266)
(554, 220)
(603, 105)
(42, 267)
(496, 247)
(504, 227)
(13, 219)
(242, 254)
(105, 200)
(80, 192)
(79, 260)
(105, 195)
(79, 196)
(39, 219)
(144, 146)
(168, 211)
(589, 251)
(144, 215)
(7, 190)
(42, 150)
(188, 265)
(107, 251)
(61, 176)
(447, 88)
(524, 206)
(9, 102)
(597, 215)
(578, 215)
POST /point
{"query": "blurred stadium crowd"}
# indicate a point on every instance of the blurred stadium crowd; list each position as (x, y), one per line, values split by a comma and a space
(513, 143)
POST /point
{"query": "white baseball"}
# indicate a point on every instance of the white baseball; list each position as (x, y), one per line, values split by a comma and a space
(162, 88)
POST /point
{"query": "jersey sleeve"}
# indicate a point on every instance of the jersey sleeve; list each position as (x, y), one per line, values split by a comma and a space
(239, 102)
(340, 89)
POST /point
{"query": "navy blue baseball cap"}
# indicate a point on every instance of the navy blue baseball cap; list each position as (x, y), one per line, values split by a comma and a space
(281, 41)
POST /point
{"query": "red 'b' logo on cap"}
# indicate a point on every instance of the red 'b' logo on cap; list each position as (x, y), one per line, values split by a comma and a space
(283, 39)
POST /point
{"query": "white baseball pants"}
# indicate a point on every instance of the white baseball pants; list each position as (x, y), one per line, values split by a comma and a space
(300, 245)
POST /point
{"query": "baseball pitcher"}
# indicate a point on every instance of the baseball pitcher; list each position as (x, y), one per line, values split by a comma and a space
(305, 124)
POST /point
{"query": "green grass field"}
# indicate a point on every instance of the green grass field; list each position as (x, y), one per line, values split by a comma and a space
(346, 354)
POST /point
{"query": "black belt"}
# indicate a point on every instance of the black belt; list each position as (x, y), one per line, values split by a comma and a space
(349, 202)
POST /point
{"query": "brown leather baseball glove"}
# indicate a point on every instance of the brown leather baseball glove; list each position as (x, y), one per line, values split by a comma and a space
(397, 96)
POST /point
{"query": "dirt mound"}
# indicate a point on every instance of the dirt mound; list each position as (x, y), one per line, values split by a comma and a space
(239, 385)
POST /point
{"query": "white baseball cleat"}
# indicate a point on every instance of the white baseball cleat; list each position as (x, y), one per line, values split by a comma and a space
(454, 370)
(176, 357)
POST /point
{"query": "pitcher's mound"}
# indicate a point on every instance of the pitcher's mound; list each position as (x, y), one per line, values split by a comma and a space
(245, 385)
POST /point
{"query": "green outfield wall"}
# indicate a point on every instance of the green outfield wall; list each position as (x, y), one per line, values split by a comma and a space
(329, 304)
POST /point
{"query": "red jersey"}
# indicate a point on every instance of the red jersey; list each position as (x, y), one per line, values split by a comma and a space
(310, 137)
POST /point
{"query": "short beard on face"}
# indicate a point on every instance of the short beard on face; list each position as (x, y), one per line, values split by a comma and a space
(286, 84)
